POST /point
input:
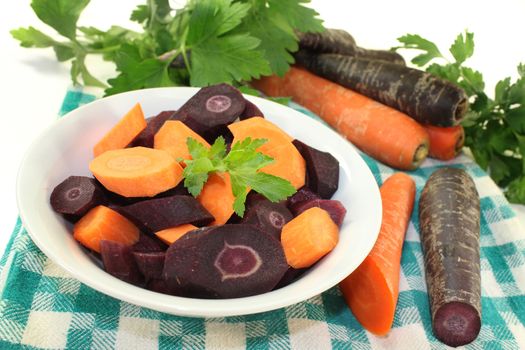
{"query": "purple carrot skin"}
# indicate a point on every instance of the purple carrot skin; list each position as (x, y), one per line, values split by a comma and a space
(449, 216)
(145, 137)
(424, 97)
(341, 42)
(118, 261)
(322, 170)
(76, 195)
(251, 110)
(211, 109)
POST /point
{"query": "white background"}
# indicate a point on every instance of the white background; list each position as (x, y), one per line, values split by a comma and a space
(33, 83)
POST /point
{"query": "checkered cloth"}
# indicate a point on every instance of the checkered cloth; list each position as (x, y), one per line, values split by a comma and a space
(41, 306)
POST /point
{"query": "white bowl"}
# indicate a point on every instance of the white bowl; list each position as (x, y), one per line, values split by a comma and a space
(65, 149)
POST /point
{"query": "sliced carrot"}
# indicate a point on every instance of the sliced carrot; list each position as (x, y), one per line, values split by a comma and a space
(103, 223)
(217, 197)
(371, 291)
(172, 137)
(445, 143)
(382, 132)
(172, 234)
(288, 162)
(137, 171)
(123, 133)
(308, 237)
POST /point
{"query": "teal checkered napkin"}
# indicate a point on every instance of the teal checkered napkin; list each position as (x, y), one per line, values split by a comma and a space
(42, 307)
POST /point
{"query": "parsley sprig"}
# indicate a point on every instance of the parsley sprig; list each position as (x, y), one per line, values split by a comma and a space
(203, 43)
(242, 163)
(494, 127)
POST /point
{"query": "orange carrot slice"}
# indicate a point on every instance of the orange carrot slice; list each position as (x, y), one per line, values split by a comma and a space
(103, 223)
(308, 237)
(172, 137)
(288, 162)
(172, 234)
(217, 197)
(371, 291)
(123, 133)
(137, 171)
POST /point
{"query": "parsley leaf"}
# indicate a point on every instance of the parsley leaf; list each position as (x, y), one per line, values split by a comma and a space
(241, 163)
(463, 47)
(414, 41)
(31, 37)
(62, 15)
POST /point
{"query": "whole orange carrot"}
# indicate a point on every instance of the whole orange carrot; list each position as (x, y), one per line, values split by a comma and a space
(445, 143)
(380, 131)
(371, 291)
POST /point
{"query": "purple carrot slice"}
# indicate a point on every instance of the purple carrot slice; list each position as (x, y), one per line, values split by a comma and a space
(211, 108)
(149, 244)
(228, 261)
(322, 169)
(449, 217)
(154, 215)
(335, 208)
(267, 216)
(76, 195)
(145, 137)
(117, 200)
(290, 276)
(118, 261)
(251, 110)
(150, 264)
(302, 195)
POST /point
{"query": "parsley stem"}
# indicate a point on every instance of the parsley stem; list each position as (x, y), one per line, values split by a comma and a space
(104, 49)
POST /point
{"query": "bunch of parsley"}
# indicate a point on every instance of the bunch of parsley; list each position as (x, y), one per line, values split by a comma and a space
(494, 128)
(203, 43)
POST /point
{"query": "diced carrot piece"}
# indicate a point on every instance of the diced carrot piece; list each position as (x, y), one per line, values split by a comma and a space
(172, 138)
(103, 223)
(172, 234)
(288, 162)
(217, 197)
(137, 171)
(123, 133)
(308, 237)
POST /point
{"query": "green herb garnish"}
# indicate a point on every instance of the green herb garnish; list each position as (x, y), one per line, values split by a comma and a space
(203, 43)
(242, 163)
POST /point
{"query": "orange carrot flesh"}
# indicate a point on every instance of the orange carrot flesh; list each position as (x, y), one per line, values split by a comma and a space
(371, 291)
(137, 171)
(382, 132)
(308, 237)
(445, 143)
(172, 234)
(217, 197)
(123, 132)
(103, 223)
(172, 137)
(288, 162)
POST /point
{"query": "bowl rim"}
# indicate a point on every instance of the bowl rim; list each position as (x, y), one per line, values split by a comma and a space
(206, 307)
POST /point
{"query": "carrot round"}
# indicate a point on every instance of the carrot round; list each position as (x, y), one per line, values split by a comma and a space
(308, 237)
(217, 197)
(288, 161)
(380, 131)
(102, 223)
(171, 234)
(371, 291)
(172, 137)
(445, 143)
(123, 132)
(137, 171)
